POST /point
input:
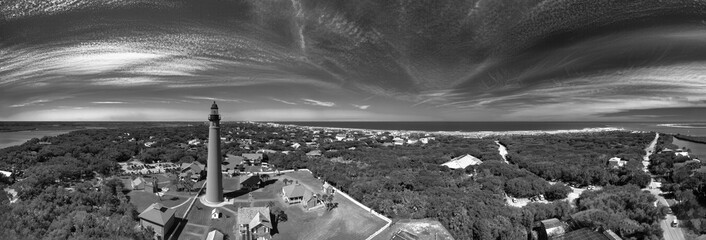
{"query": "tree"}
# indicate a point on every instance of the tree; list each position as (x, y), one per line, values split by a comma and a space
(279, 214)
(331, 205)
(557, 191)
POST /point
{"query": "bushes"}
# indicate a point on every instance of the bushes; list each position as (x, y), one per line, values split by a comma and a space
(557, 191)
(576, 158)
(626, 210)
(525, 186)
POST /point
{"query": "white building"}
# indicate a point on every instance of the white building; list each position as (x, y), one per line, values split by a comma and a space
(462, 162)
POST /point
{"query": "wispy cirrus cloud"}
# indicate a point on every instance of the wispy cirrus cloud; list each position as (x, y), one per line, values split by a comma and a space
(108, 102)
(217, 99)
(35, 102)
(283, 101)
(362, 107)
(318, 103)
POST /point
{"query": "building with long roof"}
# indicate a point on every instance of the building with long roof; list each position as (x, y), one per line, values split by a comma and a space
(159, 218)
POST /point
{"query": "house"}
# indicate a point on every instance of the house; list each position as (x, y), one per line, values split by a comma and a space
(251, 183)
(254, 223)
(328, 189)
(149, 144)
(296, 194)
(215, 235)
(616, 162)
(265, 151)
(296, 145)
(314, 153)
(195, 142)
(412, 141)
(404, 235)
(388, 144)
(159, 218)
(7, 174)
(310, 201)
(398, 141)
(551, 228)
(681, 152)
(232, 162)
(151, 187)
(253, 158)
(194, 167)
(193, 170)
(245, 141)
(462, 162)
(340, 137)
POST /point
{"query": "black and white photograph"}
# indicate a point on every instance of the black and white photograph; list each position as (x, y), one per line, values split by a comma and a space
(353, 119)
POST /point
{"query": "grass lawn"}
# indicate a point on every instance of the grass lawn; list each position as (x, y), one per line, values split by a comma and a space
(304, 177)
(348, 221)
(231, 184)
(142, 200)
(260, 204)
(266, 193)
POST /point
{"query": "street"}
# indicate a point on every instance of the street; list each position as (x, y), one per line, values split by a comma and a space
(670, 233)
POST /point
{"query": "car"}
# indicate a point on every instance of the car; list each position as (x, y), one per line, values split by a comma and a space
(514, 200)
(675, 223)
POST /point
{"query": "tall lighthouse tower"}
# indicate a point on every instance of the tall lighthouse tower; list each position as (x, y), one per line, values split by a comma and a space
(214, 183)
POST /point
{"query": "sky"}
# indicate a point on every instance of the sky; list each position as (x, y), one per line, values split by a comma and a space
(342, 60)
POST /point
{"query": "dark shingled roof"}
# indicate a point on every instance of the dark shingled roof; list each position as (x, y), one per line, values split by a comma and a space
(585, 234)
(157, 213)
(252, 180)
(552, 223)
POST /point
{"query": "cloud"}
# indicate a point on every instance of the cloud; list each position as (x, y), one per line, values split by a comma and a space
(320, 114)
(35, 102)
(108, 102)
(216, 99)
(363, 107)
(105, 114)
(283, 101)
(318, 103)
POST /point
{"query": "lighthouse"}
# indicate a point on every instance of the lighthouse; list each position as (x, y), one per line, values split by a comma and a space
(214, 184)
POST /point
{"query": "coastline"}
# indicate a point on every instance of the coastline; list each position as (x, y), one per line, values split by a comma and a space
(688, 139)
(16, 138)
(466, 134)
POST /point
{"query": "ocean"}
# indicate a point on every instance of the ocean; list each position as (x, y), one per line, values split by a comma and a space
(694, 129)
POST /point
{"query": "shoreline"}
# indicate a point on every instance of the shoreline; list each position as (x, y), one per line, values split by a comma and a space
(688, 139)
(17, 138)
(467, 134)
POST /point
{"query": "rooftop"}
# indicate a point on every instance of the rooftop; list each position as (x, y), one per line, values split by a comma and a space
(295, 191)
(462, 162)
(552, 223)
(157, 213)
(254, 216)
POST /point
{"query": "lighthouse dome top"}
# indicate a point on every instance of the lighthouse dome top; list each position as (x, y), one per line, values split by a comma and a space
(214, 106)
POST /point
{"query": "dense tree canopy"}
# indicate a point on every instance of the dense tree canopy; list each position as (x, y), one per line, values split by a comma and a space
(401, 181)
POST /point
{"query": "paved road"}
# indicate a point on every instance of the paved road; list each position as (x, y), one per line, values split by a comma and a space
(670, 233)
